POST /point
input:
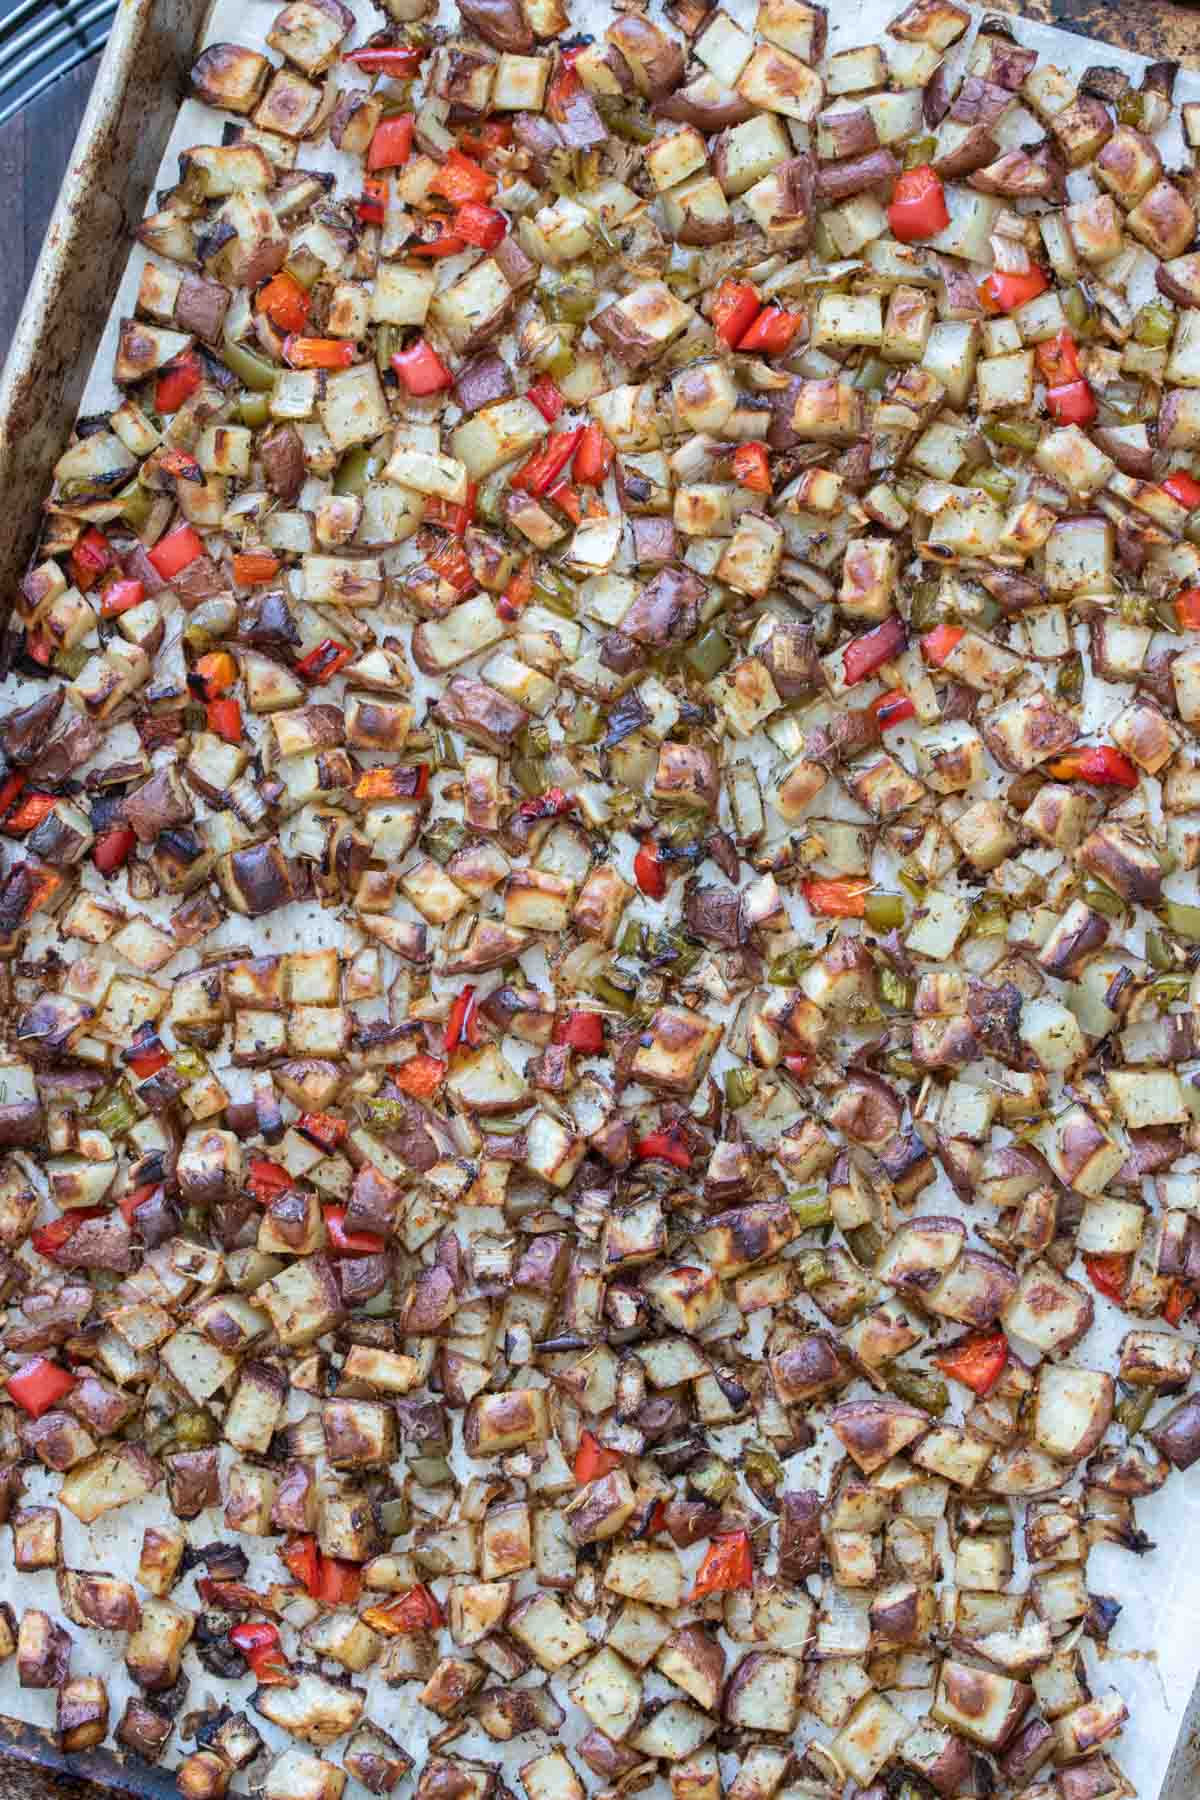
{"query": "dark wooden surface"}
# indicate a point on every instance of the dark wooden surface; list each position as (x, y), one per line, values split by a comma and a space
(34, 147)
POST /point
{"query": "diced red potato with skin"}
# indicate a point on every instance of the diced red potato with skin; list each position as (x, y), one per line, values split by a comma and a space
(986, 1708)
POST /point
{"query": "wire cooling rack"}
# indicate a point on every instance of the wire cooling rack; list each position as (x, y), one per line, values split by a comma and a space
(43, 39)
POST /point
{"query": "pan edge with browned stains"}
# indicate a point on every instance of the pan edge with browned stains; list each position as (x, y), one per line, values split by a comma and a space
(113, 164)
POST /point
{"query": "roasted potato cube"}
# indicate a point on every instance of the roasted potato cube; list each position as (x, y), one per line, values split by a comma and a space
(1163, 220)
(295, 1774)
(154, 1650)
(1047, 1310)
(82, 1713)
(553, 1636)
(230, 77)
(681, 1045)
(986, 1708)
(498, 1422)
(304, 1301)
(43, 1651)
(609, 1692)
(763, 1693)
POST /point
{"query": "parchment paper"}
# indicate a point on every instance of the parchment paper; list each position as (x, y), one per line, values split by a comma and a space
(1154, 1652)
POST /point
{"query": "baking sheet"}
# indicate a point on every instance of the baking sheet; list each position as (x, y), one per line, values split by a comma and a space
(1154, 1652)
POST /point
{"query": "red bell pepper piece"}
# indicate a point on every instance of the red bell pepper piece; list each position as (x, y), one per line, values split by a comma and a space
(918, 208)
(564, 86)
(251, 568)
(224, 720)
(546, 397)
(250, 1635)
(416, 1609)
(138, 1197)
(893, 708)
(734, 309)
(301, 1556)
(28, 814)
(267, 1180)
(90, 557)
(146, 1058)
(593, 458)
(214, 675)
(566, 498)
(286, 302)
(177, 382)
(45, 885)
(372, 205)
(1004, 292)
(323, 663)
(394, 781)
(940, 643)
(978, 1361)
(318, 353)
(350, 1243)
(550, 805)
(341, 1581)
(583, 1031)
(325, 1130)
(180, 463)
(112, 849)
(49, 1239)
(1181, 486)
(1179, 1303)
(844, 899)
(547, 464)
(1097, 764)
(462, 1026)
(40, 1384)
(9, 791)
(175, 552)
(1071, 404)
(401, 60)
(863, 655)
(799, 1065)
(648, 870)
(421, 369)
(481, 140)
(446, 243)
(1109, 1273)
(1187, 609)
(592, 1460)
(484, 226)
(728, 1564)
(460, 179)
(518, 593)
(120, 596)
(259, 1644)
(752, 468)
(1058, 359)
(451, 562)
(772, 331)
(391, 145)
(421, 1076)
(666, 1146)
(454, 519)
